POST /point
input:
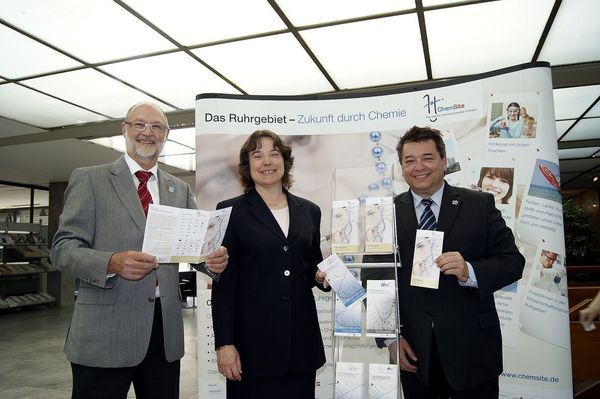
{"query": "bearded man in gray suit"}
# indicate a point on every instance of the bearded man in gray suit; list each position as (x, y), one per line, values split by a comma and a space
(127, 325)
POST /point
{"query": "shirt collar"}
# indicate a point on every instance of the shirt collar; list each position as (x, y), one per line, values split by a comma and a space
(134, 166)
(436, 197)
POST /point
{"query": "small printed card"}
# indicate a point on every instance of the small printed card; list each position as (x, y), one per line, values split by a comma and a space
(342, 281)
(428, 246)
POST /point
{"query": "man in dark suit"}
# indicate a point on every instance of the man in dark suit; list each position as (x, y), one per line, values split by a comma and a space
(127, 325)
(450, 343)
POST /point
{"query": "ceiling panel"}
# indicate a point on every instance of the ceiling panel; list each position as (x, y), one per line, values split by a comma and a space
(585, 181)
(176, 77)
(185, 161)
(185, 136)
(585, 129)
(571, 41)
(29, 57)
(117, 143)
(268, 65)
(430, 3)
(308, 12)
(28, 106)
(12, 128)
(497, 35)
(92, 90)
(172, 148)
(577, 152)
(192, 22)
(595, 111)
(572, 102)
(100, 26)
(360, 46)
(580, 165)
(563, 126)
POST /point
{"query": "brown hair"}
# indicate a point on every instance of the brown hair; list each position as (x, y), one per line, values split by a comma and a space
(502, 173)
(417, 134)
(253, 143)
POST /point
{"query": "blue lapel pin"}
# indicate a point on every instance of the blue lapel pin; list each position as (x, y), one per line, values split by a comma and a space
(171, 189)
(454, 202)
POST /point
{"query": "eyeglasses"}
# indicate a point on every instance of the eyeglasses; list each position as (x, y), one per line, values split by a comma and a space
(154, 127)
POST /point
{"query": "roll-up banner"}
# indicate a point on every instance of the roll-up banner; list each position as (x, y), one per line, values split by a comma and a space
(487, 150)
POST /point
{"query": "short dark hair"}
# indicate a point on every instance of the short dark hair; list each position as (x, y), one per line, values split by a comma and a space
(417, 134)
(253, 143)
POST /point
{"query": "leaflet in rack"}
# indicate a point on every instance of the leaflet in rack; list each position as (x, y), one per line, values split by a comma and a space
(344, 226)
(349, 380)
(379, 224)
(178, 235)
(381, 308)
(347, 320)
(383, 381)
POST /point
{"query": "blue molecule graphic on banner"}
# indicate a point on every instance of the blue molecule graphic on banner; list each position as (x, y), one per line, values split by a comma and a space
(375, 136)
(377, 152)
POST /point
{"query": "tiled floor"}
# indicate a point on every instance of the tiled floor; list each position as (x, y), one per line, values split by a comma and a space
(33, 366)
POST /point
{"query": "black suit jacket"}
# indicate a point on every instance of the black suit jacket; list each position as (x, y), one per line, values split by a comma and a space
(465, 320)
(263, 302)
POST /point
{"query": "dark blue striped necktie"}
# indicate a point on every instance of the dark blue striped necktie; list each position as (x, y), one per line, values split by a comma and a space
(427, 221)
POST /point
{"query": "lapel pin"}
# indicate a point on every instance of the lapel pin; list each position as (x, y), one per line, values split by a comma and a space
(171, 189)
(454, 202)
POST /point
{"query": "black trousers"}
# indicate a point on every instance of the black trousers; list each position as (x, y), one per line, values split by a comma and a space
(288, 386)
(413, 386)
(153, 378)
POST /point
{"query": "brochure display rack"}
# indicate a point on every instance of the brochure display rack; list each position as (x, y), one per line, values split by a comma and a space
(362, 273)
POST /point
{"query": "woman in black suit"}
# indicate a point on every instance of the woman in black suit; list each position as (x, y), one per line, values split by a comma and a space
(267, 334)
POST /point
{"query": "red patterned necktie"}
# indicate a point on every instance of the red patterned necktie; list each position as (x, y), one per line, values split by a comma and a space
(143, 193)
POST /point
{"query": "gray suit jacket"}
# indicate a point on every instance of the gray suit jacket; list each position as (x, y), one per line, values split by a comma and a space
(112, 318)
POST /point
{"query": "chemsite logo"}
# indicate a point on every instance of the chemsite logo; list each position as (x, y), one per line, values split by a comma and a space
(435, 107)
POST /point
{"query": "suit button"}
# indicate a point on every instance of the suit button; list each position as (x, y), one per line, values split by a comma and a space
(286, 248)
(286, 273)
(285, 298)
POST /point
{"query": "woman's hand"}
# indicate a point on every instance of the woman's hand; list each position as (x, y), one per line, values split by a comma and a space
(228, 362)
(320, 278)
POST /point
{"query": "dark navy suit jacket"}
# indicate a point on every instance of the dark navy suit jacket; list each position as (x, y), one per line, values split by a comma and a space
(263, 302)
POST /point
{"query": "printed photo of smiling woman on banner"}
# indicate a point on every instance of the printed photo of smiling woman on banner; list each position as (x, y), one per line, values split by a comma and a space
(500, 131)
